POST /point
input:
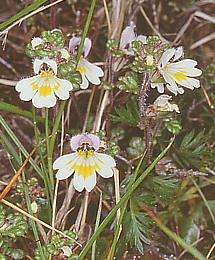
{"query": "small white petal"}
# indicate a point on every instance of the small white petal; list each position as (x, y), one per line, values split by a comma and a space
(159, 86)
(90, 182)
(73, 42)
(85, 82)
(92, 72)
(87, 47)
(64, 54)
(63, 91)
(67, 251)
(105, 172)
(169, 80)
(79, 182)
(51, 63)
(127, 37)
(162, 100)
(63, 160)
(178, 53)
(190, 83)
(180, 90)
(105, 159)
(167, 55)
(44, 101)
(187, 66)
(63, 174)
(24, 86)
(36, 65)
(172, 88)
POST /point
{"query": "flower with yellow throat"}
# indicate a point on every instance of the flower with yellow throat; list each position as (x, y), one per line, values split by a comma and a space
(43, 88)
(84, 163)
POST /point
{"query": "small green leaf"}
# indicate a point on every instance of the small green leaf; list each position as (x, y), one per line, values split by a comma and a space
(173, 126)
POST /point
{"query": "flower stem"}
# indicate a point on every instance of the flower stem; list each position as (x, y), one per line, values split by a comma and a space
(49, 151)
(48, 189)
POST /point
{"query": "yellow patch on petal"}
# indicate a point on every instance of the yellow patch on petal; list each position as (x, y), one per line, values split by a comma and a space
(85, 169)
(45, 90)
(179, 76)
(82, 69)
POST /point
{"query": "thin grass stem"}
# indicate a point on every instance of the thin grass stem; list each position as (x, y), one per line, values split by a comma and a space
(205, 200)
(49, 152)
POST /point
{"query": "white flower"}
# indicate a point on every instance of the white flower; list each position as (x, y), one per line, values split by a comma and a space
(43, 88)
(177, 73)
(89, 71)
(161, 104)
(85, 162)
(36, 41)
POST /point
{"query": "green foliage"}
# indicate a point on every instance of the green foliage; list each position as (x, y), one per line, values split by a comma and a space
(7, 246)
(156, 190)
(191, 151)
(163, 188)
(58, 243)
(51, 44)
(67, 70)
(60, 246)
(12, 226)
(129, 82)
(138, 225)
(37, 254)
(128, 114)
(112, 148)
(118, 133)
(113, 47)
(147, 55)
(173, 126)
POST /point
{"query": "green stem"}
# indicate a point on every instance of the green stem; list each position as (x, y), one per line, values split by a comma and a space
(96, 226)
(116, 235)
(122, 201)
(19, 145)
(14, 109)
(56, 126)
(48, 189)
(86, 27)
(205, 200)
(49, 151)
(23, 12)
